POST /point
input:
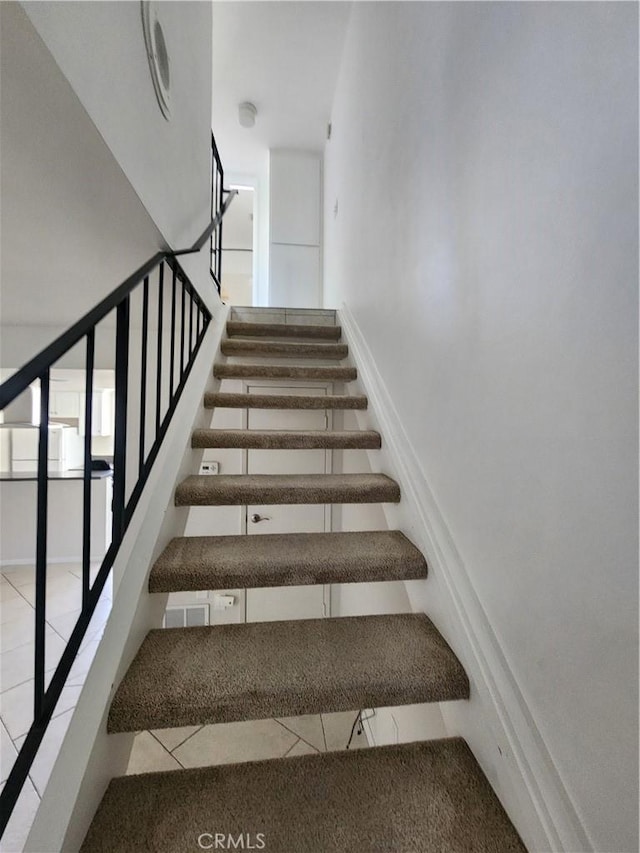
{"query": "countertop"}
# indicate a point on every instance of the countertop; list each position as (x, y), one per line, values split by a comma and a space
(76, 474)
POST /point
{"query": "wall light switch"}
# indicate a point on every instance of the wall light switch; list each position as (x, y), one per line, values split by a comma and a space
(223, 602)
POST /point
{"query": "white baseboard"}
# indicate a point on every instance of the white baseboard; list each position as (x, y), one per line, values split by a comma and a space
(503, 735)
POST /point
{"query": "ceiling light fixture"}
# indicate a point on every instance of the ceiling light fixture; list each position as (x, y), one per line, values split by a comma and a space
(247, 114)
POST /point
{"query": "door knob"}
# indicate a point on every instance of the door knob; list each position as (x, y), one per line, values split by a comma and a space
(256, 518)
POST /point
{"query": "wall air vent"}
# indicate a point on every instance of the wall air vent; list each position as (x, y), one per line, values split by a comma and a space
(157, 54)
(186, 616)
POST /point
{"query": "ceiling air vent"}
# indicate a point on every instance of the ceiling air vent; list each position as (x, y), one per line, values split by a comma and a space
(157, 55)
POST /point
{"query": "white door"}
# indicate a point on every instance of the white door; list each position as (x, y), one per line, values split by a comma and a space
(298, 602)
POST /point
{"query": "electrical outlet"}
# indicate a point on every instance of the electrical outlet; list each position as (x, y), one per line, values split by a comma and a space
(210, 468)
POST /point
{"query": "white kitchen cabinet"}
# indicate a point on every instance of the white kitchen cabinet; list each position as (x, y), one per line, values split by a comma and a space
(101, 412)
(64, 404)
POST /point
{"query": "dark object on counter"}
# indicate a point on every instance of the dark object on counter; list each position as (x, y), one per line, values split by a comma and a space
(100, 465)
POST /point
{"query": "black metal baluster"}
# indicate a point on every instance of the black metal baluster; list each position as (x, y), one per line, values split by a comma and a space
(159, 356)
(182, 331)
(172, 357)
(190, 322)
(41, 545)
(220, 203)
(143, 372)
(123, 504)
(86, 498)
(120, 438)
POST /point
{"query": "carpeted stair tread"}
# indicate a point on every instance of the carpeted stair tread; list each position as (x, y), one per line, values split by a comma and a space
(259, 670)
(283, 371)
(283, 401)
(285, 559)
(282, 330)
(273, 439)
(283, 349)
(237, 489)
(428, 797)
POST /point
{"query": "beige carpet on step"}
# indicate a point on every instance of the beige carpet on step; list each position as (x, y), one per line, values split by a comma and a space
(285, 559)
(282, 401)
(257, 670)
(283, 371)
(283, 349)
(273, 439)
(280, 330)
(238, 489)
(428, 797)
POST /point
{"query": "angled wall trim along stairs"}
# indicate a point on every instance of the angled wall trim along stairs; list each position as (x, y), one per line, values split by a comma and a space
(530, 776)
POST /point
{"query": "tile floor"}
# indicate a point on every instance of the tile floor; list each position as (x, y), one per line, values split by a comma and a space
(17, 618)
(227, 743)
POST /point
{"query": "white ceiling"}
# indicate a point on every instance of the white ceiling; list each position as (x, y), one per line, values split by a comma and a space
(284, 57)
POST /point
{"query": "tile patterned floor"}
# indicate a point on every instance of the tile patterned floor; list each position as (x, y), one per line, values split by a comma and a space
(227, 743)
(17, 622)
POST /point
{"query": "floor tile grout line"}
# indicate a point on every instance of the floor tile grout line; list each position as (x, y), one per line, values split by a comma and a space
(175, 758)
(17, 589)
(300, 736)
(324, 734)
(292, 746)
(182, 742)
(35, 788)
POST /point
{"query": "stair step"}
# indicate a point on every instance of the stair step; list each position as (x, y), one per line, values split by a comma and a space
(285, 559)
(283, 371)
(283, 349)
(429, 796)
(273, 439)
(282, 401)
(259, 670)
(282, 330)
(237, 489)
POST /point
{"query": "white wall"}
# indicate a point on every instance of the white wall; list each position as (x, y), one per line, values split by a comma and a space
(93, 183)
(484, 160)
(100, 49)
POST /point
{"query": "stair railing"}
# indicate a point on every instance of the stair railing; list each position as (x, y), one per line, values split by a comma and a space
(218, 204)
(173, 344)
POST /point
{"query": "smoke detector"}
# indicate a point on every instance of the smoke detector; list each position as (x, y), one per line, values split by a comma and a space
(247, 114)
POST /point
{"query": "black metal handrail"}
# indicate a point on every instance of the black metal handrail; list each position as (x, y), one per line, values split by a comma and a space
(218, 205)
(178, 340)
(208, 231)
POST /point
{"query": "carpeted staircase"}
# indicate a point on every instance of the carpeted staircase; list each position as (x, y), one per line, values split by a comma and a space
(428, 796)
